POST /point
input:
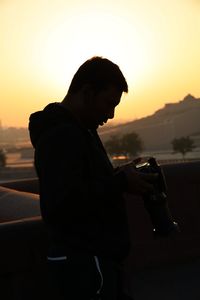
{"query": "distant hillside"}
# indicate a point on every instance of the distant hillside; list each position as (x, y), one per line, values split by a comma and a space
(158, 130)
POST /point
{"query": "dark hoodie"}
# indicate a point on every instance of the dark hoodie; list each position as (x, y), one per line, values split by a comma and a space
(80, 194)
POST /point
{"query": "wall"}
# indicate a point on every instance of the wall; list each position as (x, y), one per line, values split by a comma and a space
(183, 183)
(23, 243)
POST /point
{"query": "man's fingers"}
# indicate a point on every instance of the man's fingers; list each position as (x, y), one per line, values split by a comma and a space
(136, 161)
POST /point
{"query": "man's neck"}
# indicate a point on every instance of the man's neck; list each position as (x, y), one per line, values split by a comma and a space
(74, 105)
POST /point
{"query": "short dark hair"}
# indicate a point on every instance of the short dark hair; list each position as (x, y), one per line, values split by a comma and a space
(99, 73)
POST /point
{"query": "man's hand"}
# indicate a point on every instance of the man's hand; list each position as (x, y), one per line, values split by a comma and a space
(138, 183)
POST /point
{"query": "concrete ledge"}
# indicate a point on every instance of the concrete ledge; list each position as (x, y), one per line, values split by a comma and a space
(30, 185)
(15, 205)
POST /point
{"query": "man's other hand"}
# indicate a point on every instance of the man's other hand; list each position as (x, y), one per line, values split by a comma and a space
(138, 183)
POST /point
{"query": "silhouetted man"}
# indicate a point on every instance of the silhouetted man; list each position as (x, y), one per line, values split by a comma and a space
(81, 194)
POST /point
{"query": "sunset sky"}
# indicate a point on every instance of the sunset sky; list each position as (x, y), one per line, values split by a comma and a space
(156, 43)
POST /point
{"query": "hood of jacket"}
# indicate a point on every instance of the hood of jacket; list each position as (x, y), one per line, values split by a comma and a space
(50, 117)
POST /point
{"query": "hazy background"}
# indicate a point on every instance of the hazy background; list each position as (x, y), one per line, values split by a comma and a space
(42, 43)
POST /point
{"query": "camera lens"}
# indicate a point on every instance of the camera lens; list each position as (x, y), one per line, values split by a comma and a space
(156, 203)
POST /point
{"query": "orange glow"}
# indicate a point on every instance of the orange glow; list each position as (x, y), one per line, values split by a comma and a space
(155, 43)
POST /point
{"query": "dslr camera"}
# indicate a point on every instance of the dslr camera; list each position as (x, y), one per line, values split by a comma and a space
(156, 203)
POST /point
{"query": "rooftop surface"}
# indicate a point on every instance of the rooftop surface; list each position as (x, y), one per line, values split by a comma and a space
(175, 282)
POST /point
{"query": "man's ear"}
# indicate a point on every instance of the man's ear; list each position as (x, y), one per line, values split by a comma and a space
(88, 93)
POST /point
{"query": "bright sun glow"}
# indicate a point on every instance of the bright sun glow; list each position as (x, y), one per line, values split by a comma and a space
(64, 50)
(155, 43)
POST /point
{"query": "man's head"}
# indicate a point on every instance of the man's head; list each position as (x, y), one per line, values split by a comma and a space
(95, 90)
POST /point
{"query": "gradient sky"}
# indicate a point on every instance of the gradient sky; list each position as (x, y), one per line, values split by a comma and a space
(156, 43)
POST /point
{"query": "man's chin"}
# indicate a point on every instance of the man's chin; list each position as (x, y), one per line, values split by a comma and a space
(98, 124)
(95, 126)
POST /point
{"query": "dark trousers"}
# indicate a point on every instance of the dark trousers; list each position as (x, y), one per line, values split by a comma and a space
(84, 277)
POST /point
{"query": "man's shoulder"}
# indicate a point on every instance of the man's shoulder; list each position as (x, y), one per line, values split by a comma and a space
(65, 133)
(67, 129)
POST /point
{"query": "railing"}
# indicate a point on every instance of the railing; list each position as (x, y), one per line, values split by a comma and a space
(23, 242)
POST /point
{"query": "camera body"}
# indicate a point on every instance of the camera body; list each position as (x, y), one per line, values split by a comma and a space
(156, 203)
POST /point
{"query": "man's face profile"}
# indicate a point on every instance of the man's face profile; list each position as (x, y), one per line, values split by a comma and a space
(102, 106)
